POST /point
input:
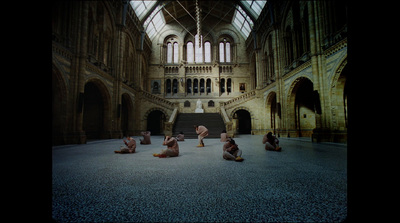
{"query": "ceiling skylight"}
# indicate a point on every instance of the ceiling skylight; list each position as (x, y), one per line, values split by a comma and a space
(243, 24)
(242, 21)
(141, 7)
(155, 22)
(255, 5)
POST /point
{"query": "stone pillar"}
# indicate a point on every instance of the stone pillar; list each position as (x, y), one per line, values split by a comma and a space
(318, 65)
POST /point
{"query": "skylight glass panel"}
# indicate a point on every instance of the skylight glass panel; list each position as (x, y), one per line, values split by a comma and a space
(255, 6)
(243, 24)
(141, 7)
(154, 23)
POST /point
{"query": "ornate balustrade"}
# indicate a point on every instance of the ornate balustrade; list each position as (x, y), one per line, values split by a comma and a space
(157, 100)
(239, 100)
(197, 69)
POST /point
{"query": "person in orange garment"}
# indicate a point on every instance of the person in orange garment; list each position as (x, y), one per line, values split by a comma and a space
(202, 131)
(172, 148)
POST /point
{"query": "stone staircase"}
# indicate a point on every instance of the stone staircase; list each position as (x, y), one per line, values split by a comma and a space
(185, 121)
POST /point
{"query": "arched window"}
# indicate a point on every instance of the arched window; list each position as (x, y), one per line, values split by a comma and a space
(207, 52)
(208, 85)
(198, 48)
(169, 53)
(172, 53)
(175, 86)
(195, 86)
(224, 51)
(228, 52)
(168, 86)
(189, 86)
(190, 53)
(222, 84)
(202, 85)
(221, 52)
(229, 85)
(176, 52)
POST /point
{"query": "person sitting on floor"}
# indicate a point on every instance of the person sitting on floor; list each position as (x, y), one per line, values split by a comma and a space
(231, 151)
(172, 148)
(131, 146)
(271, 142)
(146, 138)
(180, 137)
(224, 136)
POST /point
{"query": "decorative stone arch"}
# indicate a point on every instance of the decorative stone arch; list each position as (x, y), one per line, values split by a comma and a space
(107, 108)
(336, 75)
(59, 106)
(339, 98)
(155, 109)
(241, 108)
(291, 98)
(230, 33)
(241, 124)
(271, 111)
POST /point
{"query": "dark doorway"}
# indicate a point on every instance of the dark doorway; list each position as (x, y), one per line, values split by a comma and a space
(244, 121)
(155, 122)
(93, 112)
(305, 108)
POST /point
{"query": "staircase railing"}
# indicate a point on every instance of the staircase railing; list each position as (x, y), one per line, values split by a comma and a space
(239, 100)
(157, 100)
(228, 122)
(170, 124)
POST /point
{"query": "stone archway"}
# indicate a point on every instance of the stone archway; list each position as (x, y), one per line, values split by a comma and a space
(96, 110)
(301, 108)
(155, 119)
(339, 114)
(271, 113)
(242, 119)
(59, 107)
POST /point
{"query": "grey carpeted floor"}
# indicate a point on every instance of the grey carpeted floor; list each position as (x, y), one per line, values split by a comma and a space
(305, 182)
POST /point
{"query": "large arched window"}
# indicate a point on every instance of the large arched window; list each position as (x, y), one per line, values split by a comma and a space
(176, 52)
(221, 52)
(207, 52)
(190, 52)
(172, 53)
(225, 51)
(169, 53)
(198, 51)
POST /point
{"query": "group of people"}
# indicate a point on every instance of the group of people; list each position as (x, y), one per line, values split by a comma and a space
(230, 149)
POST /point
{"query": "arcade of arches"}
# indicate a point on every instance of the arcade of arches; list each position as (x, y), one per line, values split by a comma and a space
(287, 75)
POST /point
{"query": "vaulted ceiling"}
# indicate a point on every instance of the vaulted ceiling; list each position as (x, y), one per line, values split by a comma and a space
(155, 14)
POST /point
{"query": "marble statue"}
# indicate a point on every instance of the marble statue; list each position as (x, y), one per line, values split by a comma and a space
(199, 107)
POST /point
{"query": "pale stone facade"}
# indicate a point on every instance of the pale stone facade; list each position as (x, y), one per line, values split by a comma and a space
(288, 77)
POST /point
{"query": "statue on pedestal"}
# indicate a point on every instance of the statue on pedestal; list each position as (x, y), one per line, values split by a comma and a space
(199, 107)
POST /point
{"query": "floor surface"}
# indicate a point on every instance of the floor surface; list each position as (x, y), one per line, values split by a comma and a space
(306, 182)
